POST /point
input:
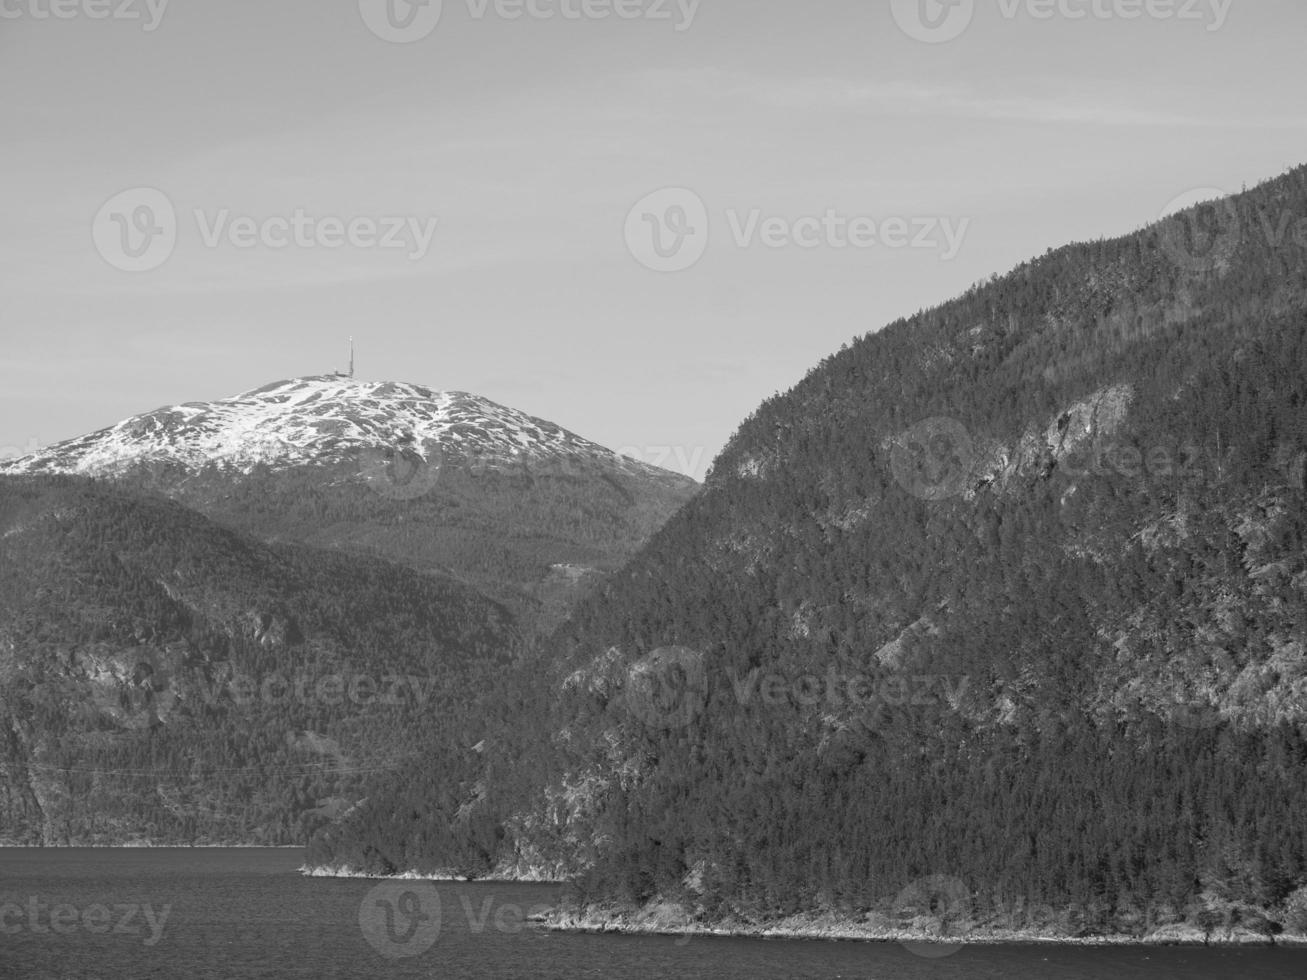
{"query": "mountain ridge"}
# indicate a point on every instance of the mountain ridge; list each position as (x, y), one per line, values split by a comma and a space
(320, 418)
(1078, 489)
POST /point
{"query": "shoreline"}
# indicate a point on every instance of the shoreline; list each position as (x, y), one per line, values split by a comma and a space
(818, 927)
(146, 846)
(672, 921)
(451, 877)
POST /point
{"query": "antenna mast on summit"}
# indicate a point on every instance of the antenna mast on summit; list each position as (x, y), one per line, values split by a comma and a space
(351, 357)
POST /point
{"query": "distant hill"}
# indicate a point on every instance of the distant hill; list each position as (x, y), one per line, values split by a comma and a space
(164, 679)
(449, 482)
(998, 617)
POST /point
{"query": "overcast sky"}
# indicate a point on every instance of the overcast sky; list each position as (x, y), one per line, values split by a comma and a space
(908, 158)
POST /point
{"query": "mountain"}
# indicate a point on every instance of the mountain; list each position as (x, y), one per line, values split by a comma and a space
(997, 620)
(309, 421)
(445, 482)
(164, 679)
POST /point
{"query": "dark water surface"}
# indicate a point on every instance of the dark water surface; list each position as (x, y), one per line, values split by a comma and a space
(185, 914)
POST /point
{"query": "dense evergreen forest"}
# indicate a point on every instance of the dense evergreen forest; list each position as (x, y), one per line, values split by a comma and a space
(1066, 511)
(165, 679)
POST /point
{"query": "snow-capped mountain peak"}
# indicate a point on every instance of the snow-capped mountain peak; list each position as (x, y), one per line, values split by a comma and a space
(319, 419)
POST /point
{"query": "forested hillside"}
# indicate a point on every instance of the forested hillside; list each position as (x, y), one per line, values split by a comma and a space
(1010, 594)
(164, 679)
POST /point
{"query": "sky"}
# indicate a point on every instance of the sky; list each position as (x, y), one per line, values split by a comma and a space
(638, 226)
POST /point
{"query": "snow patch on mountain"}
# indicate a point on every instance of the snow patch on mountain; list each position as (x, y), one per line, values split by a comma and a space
(313, 420)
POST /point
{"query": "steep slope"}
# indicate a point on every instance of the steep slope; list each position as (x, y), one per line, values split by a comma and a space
(164, 679)
(441, 481)
(1000, 616)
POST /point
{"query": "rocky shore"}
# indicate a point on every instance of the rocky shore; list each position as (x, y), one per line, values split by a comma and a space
(327, 871)
(670, 919)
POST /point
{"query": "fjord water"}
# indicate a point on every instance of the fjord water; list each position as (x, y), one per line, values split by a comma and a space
(198, 914)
